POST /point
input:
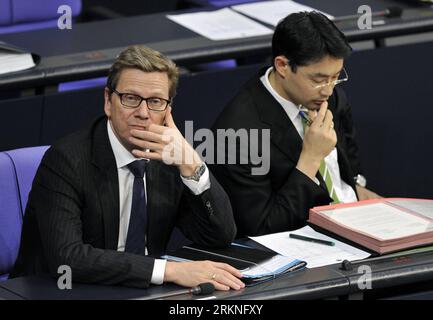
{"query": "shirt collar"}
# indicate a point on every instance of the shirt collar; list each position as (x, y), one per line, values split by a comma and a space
(289, 107)
(121, 154)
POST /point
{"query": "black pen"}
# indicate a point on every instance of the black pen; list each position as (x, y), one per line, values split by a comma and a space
(299, 237)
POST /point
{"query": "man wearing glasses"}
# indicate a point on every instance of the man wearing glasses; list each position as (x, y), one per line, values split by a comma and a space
(105, 203)
(313, 154)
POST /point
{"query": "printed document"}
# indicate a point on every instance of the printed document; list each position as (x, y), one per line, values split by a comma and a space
(380, 220)
(223, 24)
(315, 254)
(271, 12)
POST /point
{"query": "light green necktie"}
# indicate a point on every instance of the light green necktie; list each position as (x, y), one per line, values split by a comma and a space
(323, 169)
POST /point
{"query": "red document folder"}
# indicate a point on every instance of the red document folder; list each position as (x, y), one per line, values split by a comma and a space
(382, 225)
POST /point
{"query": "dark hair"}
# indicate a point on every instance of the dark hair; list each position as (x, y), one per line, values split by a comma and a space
(307, 37)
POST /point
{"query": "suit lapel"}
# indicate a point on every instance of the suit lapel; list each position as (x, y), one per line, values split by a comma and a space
(107, 182)
(152, 184)
(283, 133)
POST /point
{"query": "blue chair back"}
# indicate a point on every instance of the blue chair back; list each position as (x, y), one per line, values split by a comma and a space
(17, 170)
(10, 215)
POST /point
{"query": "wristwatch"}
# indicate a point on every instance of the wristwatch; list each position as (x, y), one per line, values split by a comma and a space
(360, 180)
(198, 173)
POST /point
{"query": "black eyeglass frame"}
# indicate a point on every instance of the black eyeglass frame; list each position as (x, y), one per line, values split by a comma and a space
(121, 94)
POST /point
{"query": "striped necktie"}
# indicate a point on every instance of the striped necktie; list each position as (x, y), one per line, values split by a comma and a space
(323, 169)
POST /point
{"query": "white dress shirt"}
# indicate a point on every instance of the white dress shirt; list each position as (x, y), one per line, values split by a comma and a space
(345, 192)
(126, 181)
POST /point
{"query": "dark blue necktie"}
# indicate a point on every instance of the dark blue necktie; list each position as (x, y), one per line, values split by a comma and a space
(136, 239)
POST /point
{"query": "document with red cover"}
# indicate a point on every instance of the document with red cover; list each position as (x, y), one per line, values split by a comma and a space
(382, 225)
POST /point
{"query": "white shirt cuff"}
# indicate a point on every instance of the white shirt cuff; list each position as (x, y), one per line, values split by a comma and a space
(198, 187)
(158, 271)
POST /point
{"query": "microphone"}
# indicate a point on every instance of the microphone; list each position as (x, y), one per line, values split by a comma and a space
(201, 289)
(390, 12)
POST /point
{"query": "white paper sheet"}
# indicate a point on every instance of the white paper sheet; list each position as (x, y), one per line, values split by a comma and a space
(223, 24)
(380, 220)
(421, 207)
(271, 12)
(316, 255)
(11, 62)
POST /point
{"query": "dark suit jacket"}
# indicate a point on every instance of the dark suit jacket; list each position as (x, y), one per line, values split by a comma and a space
(72, 216)
(280, 200)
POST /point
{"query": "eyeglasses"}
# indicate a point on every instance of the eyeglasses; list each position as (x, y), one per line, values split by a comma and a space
(132, 101)
(342, 78)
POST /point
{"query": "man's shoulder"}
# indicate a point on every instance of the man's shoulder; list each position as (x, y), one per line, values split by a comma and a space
(242, 110)
(77, 145)
(249, 90)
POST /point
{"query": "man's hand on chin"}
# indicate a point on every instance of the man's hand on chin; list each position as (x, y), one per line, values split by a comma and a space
(166, 143)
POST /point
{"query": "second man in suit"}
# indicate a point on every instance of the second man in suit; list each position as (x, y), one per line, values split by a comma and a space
(313, 156)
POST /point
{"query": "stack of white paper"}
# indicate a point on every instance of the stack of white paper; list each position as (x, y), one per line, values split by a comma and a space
(382, 225)
(223, 24)
(271, 12)
(11, 61)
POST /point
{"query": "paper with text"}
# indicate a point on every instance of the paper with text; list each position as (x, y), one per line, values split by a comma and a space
(422, 207)
(271, 12)
(315, 254)
(223, 24)
(380, 220)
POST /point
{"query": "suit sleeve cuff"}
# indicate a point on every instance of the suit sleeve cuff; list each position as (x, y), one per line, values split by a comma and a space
(315, 180)
(198, 187)
(158, 271)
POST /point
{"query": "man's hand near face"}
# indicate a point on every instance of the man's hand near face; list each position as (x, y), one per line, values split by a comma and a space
(166, 143)
(319, 140)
